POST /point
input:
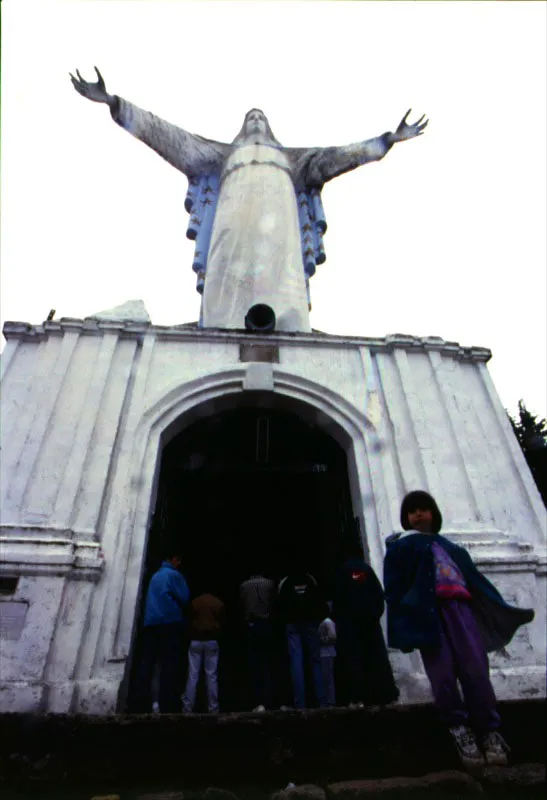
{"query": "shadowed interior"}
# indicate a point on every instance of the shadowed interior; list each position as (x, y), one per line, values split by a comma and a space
(250, 490)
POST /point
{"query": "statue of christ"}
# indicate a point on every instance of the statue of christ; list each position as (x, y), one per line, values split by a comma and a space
(255, 207)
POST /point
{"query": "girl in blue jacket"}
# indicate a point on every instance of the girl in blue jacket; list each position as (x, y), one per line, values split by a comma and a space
(439, 603)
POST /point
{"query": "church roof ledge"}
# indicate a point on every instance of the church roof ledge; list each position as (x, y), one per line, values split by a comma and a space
(25, 331)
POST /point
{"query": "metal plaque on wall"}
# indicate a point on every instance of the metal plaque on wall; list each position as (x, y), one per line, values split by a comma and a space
(13, 615)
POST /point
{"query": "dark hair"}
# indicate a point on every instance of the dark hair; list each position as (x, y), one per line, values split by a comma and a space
(425, 502)
(206, 582)
(172, 552)
(351, 548)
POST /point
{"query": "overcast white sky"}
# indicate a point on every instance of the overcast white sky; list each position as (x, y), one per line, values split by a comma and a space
(446, 236)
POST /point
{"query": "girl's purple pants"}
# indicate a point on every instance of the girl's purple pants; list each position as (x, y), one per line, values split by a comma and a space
(461, 656)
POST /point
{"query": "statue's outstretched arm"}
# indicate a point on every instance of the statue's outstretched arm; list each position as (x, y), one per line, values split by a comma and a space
(186, 152)
(326, 163)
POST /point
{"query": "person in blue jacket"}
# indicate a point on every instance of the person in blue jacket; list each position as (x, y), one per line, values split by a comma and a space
(440, 604)
(163, 639)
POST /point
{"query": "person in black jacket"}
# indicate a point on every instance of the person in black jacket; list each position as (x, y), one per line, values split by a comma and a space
(358, 605)
(301, 609)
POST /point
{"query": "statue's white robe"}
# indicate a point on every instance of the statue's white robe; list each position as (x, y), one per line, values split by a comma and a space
(255, 255)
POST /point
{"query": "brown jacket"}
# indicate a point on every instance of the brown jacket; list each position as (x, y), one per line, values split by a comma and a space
(206, 618)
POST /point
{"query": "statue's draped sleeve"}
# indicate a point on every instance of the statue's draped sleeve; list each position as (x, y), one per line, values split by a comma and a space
(314, 166)
(191, 154)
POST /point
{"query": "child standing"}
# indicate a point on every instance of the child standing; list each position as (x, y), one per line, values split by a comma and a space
(439, 603)
(327, 654)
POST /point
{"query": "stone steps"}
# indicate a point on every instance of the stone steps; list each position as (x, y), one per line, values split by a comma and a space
(354, 750)
(526, 781)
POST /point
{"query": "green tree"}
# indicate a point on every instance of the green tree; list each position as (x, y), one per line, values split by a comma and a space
(531, 433)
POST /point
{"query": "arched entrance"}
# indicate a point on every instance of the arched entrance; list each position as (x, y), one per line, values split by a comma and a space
(251, 488)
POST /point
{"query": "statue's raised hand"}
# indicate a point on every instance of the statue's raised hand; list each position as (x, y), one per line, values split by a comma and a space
(409, 131)
(93, 91)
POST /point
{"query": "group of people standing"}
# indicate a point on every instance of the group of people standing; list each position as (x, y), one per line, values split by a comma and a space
(318, 632)
(437, 602)
(335, 649)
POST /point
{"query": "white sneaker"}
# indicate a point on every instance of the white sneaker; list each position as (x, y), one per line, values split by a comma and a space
(259, 709)
(155, 708)
(495, 748)
(466, 744)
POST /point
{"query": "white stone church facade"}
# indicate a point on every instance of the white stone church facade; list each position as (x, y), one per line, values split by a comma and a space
(88, 405)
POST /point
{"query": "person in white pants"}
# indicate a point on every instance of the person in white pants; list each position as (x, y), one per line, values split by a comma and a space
(207, 615)
(199, 653)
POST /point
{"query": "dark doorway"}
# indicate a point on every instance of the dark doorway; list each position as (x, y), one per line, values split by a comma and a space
(245, 490)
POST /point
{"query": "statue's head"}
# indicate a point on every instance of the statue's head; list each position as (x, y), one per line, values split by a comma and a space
(256, 128)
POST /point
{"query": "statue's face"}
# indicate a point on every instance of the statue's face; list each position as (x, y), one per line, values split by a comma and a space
(255, 130)
(256, 123)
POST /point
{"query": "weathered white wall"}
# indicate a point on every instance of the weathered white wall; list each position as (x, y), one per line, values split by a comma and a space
(87, 406)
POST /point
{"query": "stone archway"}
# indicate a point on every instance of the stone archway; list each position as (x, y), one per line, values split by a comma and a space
(183, 405)
(252, 489)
